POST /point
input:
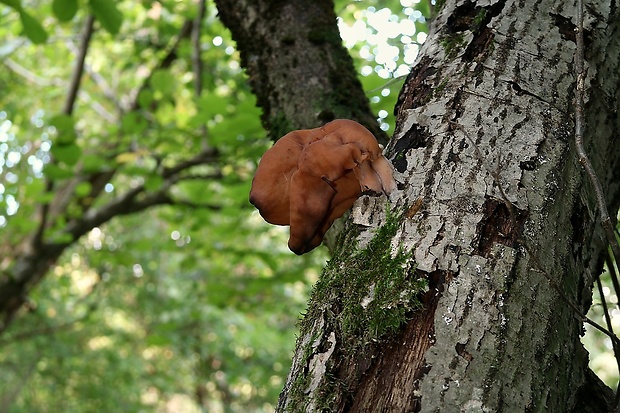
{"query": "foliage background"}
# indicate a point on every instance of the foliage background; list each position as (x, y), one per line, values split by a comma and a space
(186, 306)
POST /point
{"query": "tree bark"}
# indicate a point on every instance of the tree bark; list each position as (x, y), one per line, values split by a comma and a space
(493, 212)
(298, 68)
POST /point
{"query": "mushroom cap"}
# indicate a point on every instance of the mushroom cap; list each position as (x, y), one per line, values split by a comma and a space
(270, 185)
(309, 178)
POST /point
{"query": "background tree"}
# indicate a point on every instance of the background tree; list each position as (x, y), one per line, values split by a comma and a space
(182, 311)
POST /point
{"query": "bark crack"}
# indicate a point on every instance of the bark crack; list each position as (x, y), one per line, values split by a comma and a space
(520, 91)
(496, 226)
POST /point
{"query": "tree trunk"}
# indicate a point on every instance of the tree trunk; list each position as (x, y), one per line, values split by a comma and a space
(299, 70)
(494, 214)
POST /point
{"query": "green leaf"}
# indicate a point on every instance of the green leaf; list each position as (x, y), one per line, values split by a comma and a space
(157, 340)
(55, 172)
(35, 190)
(163, 81)
(64, 9)
(61, 238)
(145, 97)
(153, 182)
(32, 28)
(83, 189)
(127, 157)
(133, 122)
(16, 4)
(209, 104)
(65, 127)
(92, 163)
(68, 154)
(107, 14)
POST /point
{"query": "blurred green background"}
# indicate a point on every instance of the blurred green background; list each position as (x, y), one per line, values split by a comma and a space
(177, 308)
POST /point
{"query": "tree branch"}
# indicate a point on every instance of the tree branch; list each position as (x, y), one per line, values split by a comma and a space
(206, 156)
(166, 62)
(28, 75)
(196, 49)
(584, 160)
(197, 64)
(41, 81)
(79, 65)
(128, 203)
(67, 110)
(103, 85)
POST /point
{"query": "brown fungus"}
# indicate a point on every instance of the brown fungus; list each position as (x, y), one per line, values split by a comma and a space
(309, 178)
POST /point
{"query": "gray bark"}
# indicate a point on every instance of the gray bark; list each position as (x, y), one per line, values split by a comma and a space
(486, 113)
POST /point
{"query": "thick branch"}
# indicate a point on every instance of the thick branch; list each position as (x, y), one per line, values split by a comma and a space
(299, 70)
(137, 199)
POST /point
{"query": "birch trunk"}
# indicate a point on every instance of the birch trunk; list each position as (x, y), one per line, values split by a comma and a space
(485, 117)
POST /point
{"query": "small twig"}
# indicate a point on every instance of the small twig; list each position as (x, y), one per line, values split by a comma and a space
(79, 66)
(203, 157)
(389, 83)
(164, 63)
(614, 280)
(105, 88)
(99, 80)
(580, 315)
(197, 62)
(41, 81)
(584, 160)
(196, 48)
(97, 107)
(138, 199)
(610, 327)
(613, 275)
(45, 330)
(28, 75)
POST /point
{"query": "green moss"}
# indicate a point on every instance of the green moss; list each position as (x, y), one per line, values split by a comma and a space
(437, 91)
(375, 289)
(478, 20)
(365, 296)
(452, 43)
